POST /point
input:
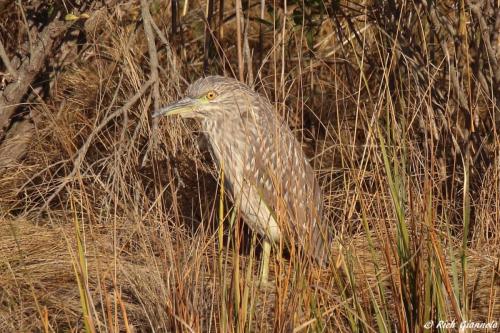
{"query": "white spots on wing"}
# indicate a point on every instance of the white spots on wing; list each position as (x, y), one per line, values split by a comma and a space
(296, 155)
(262, 163)
(266, 152)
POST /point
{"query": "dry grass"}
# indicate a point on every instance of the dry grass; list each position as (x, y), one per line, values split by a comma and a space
(131, 242)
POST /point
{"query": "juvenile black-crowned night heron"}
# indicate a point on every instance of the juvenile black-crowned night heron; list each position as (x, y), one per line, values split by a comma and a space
(266, 172)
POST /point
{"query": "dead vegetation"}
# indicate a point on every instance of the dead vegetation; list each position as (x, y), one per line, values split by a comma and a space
(109, 222)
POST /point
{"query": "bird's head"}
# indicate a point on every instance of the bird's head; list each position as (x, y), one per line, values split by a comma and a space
(210, 97)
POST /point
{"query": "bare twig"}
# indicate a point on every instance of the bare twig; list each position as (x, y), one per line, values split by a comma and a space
(208, 36)
(6, 61)
(175, 14)
(25, 21)
(153, 64)
(170, 54)
(260, 46)
(238, 41)
(146, 16)
(219, 49)
(247, 53)
(82, 152)
(153, 56)
(220, 31)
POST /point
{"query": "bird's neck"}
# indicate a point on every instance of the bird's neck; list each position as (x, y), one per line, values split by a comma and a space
(223, 134)
(215, 126)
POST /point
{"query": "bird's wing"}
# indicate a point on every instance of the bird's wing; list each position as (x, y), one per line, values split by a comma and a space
(285, 181)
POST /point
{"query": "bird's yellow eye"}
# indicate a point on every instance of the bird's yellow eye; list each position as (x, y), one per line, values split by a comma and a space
(211, 95)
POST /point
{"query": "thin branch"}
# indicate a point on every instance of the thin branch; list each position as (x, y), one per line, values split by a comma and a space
(153, 64)
(7, 62)
(247, 53)
(25, 21)
(153, 56)
(170, 55)
(238, 42)
(82, 152)
(207, 45)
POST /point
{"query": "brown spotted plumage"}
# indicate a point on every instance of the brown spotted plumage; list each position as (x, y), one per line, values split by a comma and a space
(266, 171)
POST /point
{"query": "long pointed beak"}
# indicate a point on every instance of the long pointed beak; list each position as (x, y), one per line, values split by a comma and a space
(182, 106)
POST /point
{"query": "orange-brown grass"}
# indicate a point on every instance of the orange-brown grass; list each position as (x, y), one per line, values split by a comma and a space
(140, 238)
